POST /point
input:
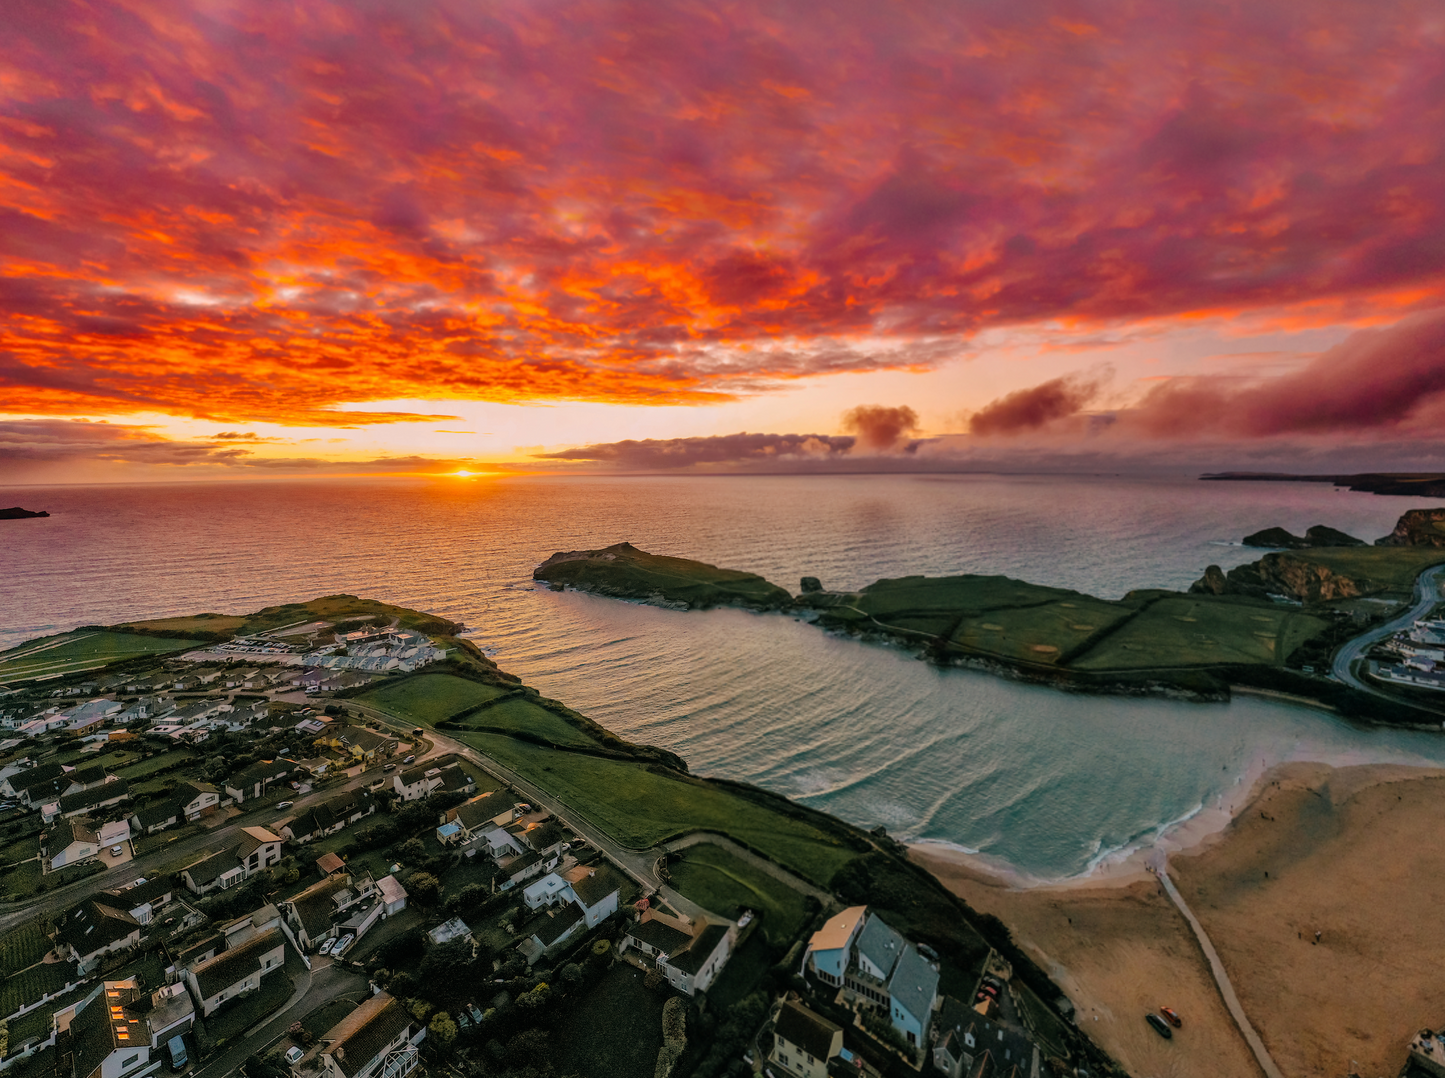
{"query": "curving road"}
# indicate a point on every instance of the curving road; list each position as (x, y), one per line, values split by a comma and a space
(1427, 594)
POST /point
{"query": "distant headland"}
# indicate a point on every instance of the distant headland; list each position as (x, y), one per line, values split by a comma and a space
(16, 513)
(1403, 484)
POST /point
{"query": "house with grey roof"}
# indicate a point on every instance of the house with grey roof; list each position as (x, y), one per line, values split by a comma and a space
(157, 816)
(689, 956)
(256, 850)
(912, 991)
(253, 781)
(370, 1042)
(69, 841)
(197, 799)
(875, 953)
(104, 1037)
(142, 898)
(964, 1037)
(93, 798)
(93, 929)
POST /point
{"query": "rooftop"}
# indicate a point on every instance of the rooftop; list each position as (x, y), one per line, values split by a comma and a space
(804, 1029)
(879, 944)
(837, 930)
(914, 983)
(217, 974)
(362, 1035)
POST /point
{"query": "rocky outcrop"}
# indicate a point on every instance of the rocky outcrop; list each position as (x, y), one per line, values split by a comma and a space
(1418, 527)
(1284, 574)
(811, 584)
(16, 513)
(1319, 535)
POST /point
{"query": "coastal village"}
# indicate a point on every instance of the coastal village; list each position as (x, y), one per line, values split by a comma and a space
(1414, 656)
(224, 860)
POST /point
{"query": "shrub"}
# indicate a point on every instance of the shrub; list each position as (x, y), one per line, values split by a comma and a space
(425, 888)
(441, 1029)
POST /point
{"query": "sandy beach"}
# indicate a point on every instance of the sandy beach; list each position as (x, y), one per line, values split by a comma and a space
(1347, 853)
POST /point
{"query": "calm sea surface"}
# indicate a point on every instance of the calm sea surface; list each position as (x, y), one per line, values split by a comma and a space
(1046, 783)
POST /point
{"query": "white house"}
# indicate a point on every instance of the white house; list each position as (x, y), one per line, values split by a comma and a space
(236, 971)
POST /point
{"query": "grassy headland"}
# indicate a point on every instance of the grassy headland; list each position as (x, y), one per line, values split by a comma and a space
(624, 572)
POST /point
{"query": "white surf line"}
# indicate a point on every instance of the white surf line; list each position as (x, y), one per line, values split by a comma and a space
(1160, 869)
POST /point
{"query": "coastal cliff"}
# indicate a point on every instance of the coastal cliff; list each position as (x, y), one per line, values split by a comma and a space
(1286, 574)
(621, 571)
(1418, 527)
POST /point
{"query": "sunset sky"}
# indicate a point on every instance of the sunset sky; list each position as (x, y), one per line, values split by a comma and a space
(244, 239)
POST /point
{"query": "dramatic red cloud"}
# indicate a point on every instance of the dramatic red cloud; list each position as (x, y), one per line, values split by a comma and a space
(880, 428)
(1037, 406)
(254, 211)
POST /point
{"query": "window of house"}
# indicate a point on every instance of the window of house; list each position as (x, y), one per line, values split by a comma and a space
(129, 1061)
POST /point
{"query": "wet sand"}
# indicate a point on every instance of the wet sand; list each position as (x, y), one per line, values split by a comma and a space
(1352, 853)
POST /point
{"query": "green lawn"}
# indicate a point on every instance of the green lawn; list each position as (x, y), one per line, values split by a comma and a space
(1197, 630)
(429, 698)
(614, 1031)
(141, 768)
(21, 849)
(726, 885)
(22, 948)
(1039, 633)
(70, 653)
(641, 807)
(19, 989)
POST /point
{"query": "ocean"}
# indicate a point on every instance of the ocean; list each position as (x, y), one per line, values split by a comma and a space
(1044, 784)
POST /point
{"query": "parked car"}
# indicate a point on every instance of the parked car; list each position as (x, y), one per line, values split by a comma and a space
(1160, 1026)
(409, 760)
(284, 804)
(418, 731)
(116, 851)
(988, 990)
(294, 1054)
(1173, 1016)
(343, 943)
(389, 767)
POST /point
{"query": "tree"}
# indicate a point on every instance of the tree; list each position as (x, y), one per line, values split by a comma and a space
(570, 975)
(442, 1029)
(425, 888)
(447, 968)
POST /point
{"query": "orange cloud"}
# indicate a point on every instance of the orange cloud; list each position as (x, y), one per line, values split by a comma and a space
(259, 212)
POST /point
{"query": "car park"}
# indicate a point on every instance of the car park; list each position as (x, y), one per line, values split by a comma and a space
(1160, 1026)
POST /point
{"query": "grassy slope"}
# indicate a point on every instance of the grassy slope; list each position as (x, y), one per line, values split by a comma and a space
(325, 608)
(1393, 568)
(626, 571)
(722, 883)
(71, 653)
(641, 806)
(429, 698)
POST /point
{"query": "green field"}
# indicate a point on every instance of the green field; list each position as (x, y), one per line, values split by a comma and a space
(1392, 568)
(334, 608)
(429, 698)
(641, 807)
(141, 768)
(524, 716)
(1197, 630)
(71, 653)
(1039, 633)
(716, 880)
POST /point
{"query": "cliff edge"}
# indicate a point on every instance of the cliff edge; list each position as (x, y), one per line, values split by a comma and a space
(624, 572)
(1418, 527)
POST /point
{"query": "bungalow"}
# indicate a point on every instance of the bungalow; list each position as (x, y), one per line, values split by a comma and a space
(549, 929)
(96, 797)
(912, 990)
(94, 713)
(142, 898)
(197, 799)
(328, 817)
(92, 930)
(804, 1042)
(362, 744)
(376, 1033)
(253, 781)
(257, 849)
(236, 971)
(311, 914)
(104, 1037)
(156, 817)
(477, 817)
(34, 786)
(71, 840)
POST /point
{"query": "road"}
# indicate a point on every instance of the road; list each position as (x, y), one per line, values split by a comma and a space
(1427, 594)
(1221, 977)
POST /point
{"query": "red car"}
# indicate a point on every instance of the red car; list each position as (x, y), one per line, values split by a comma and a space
(1174, 1019)
(988, 989)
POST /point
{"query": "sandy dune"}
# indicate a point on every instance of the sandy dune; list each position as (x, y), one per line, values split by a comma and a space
(1354, 853)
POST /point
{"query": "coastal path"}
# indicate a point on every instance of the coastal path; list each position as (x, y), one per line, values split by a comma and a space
(1159, 866)
(1427, 594)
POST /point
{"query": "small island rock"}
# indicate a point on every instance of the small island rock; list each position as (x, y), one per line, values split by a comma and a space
(16, 513)
(811, 584)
